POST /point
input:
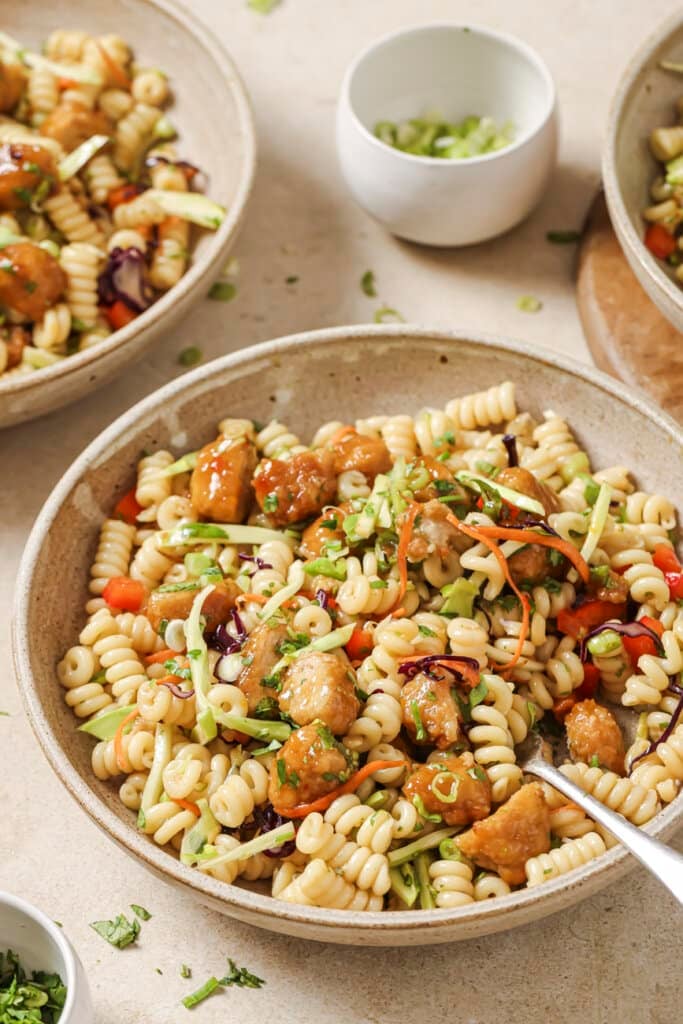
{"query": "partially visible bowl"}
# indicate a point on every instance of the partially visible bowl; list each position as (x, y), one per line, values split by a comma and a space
(645, 99)
(348, 372)
(212, 113)
(41, 945)
(457, 70)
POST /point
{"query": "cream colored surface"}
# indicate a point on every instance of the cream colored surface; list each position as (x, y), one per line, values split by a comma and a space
(605, 961)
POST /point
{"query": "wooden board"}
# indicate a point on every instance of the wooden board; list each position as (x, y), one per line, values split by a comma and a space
(627, 335)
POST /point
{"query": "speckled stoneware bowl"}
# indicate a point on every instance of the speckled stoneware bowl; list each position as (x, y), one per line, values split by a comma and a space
(645, 99)
(304, 380)
(211, 111)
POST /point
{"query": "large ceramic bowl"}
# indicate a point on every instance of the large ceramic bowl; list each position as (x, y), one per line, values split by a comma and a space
(645, 99)
(304, 380)
(215, 130)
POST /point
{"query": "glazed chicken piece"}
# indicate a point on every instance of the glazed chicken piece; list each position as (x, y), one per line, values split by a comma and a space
(430, 714)
(453, 777)
(367, 455)
(23, 169)
(307, 767)
(15, 339)
(592, 731)
(260, 654)
(321, 532)
(12, 79)
(519, 829)
(434, 533)
(220, 486)
(437, 471)
(31, 280)
(295, 489)
(608, 585)
(70, 124)
(533, 564)
(320, 686)
(177, 604)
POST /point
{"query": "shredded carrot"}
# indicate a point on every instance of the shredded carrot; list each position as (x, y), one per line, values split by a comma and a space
(477, 534)
(160, 656)
(400, 613)
(262, 599)
(121, 759)
(187, 805)
(543, 539)
(169, 680)
(350, 786)
(340, 434)
(66, 83)
(402, 551)
(115, 70)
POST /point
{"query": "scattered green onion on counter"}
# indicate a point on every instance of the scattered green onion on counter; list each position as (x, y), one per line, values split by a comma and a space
(432, 136)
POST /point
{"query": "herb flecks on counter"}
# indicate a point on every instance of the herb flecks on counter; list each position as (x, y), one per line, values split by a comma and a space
(367, 284)
(190, 356)
(529, 304)
(120, 932)
(239, 976)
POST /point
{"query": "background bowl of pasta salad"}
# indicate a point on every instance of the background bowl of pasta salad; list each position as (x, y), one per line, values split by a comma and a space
(129, 154)
(641, 201)
(348, 372)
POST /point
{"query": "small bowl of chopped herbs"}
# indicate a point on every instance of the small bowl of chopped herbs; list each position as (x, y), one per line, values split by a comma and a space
(42, 981)
(447, 134)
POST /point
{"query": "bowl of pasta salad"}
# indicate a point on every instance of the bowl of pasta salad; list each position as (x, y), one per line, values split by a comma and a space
(119, 199)
(297, 638)
(643, 167)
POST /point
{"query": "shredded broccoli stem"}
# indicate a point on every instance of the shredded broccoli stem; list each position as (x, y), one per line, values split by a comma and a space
(151, 794)
(429, 842)
(422, 862)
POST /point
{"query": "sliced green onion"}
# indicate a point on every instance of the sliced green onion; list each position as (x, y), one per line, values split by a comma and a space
(452, 780)
(387, 315)
(201, 993)
(196, 563)
(222, 291)
(671, 65)
(529, 304)
(164, 129)
(228, 533)
(418, 803)
(276, 837)
(429, 842)
(77, 158)
(104, 725)
(563, 237)
(449, 850)
(604, 643)
(367, 284)
(573, 466)
(192, 206)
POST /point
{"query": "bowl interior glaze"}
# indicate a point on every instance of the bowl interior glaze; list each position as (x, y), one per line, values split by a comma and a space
(305, 380)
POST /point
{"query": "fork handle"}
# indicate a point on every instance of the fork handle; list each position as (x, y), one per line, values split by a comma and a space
(663, 862)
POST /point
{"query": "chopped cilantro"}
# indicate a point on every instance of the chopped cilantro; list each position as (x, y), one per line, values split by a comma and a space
(594, 761)
(24, 194)
(120, 932)
(426, 631)
(529, 304)
(475, 772)
(185, 971)
(272, 682)
(190, 356)
(267, 708)
(30, 286)
(222, 291)
(420, 733)
(241, 976)
(270, 502)
(140, 912)
(367, 283)
(478, 693)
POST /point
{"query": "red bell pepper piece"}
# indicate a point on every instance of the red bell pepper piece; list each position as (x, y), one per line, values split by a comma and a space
(659, 241)
(118, 315)
(665, 559)
(125, 594)
(128, 508)
(591, 678)
(636, 646)
(359, 645)
(579, 621)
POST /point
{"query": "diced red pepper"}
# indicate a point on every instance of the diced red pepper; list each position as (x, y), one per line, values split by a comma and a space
(659, 241)
(118, 314)
(665, 558)
(579, 621)
(591, 678)
(636, 646)
(124, 593)
(360, 644)
(123, 194)
(128, 508)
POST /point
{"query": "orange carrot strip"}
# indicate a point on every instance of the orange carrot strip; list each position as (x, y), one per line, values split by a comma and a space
(350, 786)
(543, 539)
(400, 613)
(160, 656)
(169, 680)
(121, 759)
(402, 552)
(187, 805)
(262, 599)
(477, 534)
(115, 70)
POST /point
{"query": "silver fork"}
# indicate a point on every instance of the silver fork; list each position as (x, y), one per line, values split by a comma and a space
(534, 756)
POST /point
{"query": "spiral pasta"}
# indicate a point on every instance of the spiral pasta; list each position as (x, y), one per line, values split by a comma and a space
(236, 798)
(72, 220)
(319, 885)
(483, 408)
(452, 882)
(80, 262)
(637, 804)
(572, 854)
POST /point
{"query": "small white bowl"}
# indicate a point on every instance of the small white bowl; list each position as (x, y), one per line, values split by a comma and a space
(41, 945)
(456, 70)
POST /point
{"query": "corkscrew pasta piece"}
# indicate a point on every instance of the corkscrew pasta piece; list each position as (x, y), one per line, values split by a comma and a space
(152, 487)
(452, 882)
(150, 87)
(662, 771)
(373, 828)
(101, 177)
(81, 262)
(52, 332)
(624, 795)
(484, 408)
(158, 704)
(320, 886)
(646, 582)
(355, 863)
(571, 854)
(66, 45)
(75, 672)
(138, 750)
(275, 441)
(399, 437)
(170, 256)
(72, 220)
(133, 132)
(236, 798)
(648, 685)
(489, 887)
(43, 94)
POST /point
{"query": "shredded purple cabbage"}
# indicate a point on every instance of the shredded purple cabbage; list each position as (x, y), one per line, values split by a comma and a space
(678, 710)
(260, 564)
(123, 279)
(323, 598)
(529, 524)
(510, 442)
(267, 820)
(631, 629)
(412, 668)
(177, 692)
(223, 641)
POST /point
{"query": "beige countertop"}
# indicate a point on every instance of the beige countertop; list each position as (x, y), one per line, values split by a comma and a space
(608, 961)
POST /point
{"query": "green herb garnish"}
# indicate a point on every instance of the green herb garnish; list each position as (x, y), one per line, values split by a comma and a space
(529, 304)
(140, 912)
(222, 291)
(120, 932)
(39, 1000)
(563, 237)
(190, 356)
(367, 284)
(387, 315)
(420, 733)
(270, 502)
